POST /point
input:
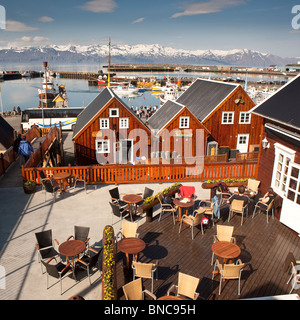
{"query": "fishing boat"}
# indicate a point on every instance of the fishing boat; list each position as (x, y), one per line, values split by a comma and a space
(48, 91)
(126, 89)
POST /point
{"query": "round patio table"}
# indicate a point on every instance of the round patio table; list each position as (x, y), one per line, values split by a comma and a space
(169, 298)
(61, 177)
(132, 200)
(132, 246)
(183, 206)
(226, 250)
(71, 248)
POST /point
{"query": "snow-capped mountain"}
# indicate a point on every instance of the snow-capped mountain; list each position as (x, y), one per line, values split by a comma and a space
(142, 53)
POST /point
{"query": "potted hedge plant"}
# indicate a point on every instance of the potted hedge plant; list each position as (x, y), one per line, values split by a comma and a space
(29, 186)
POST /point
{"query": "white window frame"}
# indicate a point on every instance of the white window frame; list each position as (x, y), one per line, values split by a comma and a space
(98, 150)
(184, 122)
(124, 123)
(296, 181)
(280, 177)
(227, 113)
(112, 115)
(243, 117)
(106, 120)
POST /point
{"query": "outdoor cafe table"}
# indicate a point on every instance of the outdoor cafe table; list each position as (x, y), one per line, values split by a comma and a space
(132, 246)
(226, 250)
(182, 205)
(132, 200)
(61, 177)
(169, 298)
(71, 248)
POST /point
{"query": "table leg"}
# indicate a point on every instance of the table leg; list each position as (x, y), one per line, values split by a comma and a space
(179, 214)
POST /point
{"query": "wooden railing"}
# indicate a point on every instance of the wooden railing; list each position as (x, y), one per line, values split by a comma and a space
(38, 155)
(119, 174)
(7, 158)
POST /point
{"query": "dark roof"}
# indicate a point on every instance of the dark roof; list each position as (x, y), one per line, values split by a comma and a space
(87, 114)
(283, 105)
(164, 114)
(203, 96)
(6, 133)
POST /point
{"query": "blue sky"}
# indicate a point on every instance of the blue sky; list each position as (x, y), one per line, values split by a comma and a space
(191, 24)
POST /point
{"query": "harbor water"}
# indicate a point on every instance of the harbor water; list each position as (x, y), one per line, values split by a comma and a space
(24, 92)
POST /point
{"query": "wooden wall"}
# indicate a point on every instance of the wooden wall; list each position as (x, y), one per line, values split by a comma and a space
(85, 143)
(226, 134)
(194, 125)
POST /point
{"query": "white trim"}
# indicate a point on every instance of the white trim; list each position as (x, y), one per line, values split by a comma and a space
(104, 127)
(126, 122)
(184, 119)
(228, 112)
(287, 153)
(240, 116)
(113, 109)
(108, 146)
(267, 125)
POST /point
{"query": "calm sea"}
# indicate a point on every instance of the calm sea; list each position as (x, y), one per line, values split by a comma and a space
(24, 92)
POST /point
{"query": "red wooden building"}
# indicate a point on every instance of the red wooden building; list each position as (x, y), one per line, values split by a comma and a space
(279, 163)
(107, 131)
(221, 109)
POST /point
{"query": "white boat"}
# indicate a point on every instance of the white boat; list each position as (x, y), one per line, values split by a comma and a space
(170, 93)
(125, 89)
(48, 91)
(26, 74)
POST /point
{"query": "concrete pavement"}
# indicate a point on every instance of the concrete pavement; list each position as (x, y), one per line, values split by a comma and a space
(21, 215)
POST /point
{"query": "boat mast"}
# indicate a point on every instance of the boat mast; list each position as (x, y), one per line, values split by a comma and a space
(108, 70)
(45, 66)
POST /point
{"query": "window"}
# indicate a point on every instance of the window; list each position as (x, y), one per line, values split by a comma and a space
(124, 123)
(245, 118)
(114, 112)
(227, 117)
(283, 157)
(104, 123)
(184, 122)
(293, 186)
(102, 146)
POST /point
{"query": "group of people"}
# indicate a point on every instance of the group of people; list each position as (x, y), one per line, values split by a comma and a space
(144, 111)
(23, 147)
(263, 202)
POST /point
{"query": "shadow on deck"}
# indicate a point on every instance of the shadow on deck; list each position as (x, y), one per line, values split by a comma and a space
(264, 248)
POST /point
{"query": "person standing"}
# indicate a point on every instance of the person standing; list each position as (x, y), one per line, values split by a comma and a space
(16, 146)
(25, 148)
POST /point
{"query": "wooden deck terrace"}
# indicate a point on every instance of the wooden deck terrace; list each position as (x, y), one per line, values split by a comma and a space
(264, 248)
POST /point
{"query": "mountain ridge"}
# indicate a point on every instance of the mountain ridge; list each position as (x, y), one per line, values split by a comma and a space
(141, 53)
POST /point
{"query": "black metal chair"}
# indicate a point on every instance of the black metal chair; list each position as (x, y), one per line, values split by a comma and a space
(118, 212)
(115, 197)
(58, 271)
(83, 178)
(88, 262)
(147, 193)
(49, 185)
(45, 246)
(82, 234)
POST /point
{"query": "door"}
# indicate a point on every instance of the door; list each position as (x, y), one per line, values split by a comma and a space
(291, 199)
(124, 151)
(242, 143)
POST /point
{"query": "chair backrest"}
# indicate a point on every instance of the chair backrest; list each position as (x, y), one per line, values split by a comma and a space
(42, 174)
(95, 258)
(160, 197)
(289, 260)
(51, 269)
(115, 210)
(253, 185)
(133, 290)
(271, 204)
(198, 218)
(237, 205)
(143, 270)
(44, 238)
(187, 285)
(129, 229)
(232, 271)
(81, 233)
(224, 233)
(147, 193)
(114, 193)
(48, 185)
